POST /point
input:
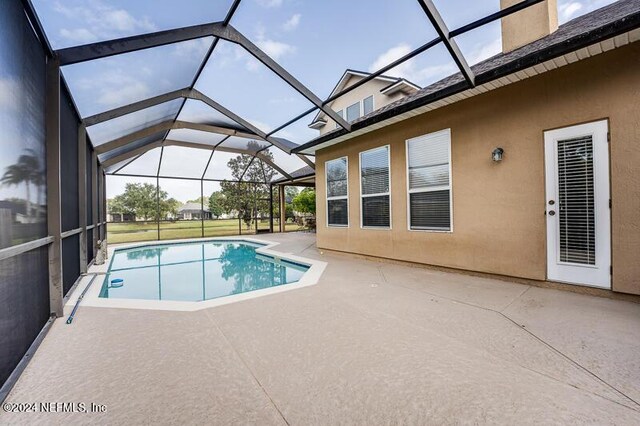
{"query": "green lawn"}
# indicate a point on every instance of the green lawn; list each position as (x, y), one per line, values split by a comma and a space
(145, 231)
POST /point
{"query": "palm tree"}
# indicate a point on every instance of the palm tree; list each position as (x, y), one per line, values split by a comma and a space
(15, 174)
(26, 170)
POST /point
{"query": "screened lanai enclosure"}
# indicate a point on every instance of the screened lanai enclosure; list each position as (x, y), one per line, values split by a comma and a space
(193, 117)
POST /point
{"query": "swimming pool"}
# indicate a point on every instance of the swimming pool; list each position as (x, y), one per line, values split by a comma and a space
(195, 271)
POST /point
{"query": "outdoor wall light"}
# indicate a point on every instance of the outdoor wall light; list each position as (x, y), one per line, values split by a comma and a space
(496, 154)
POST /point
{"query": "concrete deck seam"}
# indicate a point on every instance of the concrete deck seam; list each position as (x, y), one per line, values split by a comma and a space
(515, 299)
(521, 327)
(255, 378)
(577, 364)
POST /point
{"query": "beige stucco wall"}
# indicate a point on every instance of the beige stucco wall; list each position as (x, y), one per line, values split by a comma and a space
(372, 87)
(498, 208)
(529, 24)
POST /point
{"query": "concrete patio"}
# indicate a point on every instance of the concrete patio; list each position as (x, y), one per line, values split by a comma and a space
(371, 343)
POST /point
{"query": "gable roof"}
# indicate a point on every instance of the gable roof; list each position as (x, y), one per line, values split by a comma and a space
(600, 25)
(342, 84)
(192, 206)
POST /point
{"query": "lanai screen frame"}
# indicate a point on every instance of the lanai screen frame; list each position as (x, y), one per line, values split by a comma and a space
(223, 30)
(218, 30)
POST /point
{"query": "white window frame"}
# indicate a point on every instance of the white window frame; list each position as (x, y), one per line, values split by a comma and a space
(373, 104)
(384, 228)
(340, 197)
(346, 114)
(429, 189)
(341, 114)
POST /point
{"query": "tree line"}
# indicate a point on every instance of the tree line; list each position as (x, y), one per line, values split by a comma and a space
(245, 198)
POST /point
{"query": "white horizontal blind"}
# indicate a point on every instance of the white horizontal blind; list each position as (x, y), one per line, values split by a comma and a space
(429, 183)
(337, 176)
(576, 201)
(375, 188)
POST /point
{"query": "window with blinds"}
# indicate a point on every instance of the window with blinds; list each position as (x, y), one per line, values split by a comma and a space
(375, 190)
(337, 176)
(429, 183)
(576, 202)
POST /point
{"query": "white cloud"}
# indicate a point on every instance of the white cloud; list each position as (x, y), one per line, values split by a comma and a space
(410, 69)
(485, 51)
(389, 56)
(292, 23)
(115, 88)
(270, 3)
(568, 10)
(192, 48)
(97, 20)
(275, 49)
(79, 35)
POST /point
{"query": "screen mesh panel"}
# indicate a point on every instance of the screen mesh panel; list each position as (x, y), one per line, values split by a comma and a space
(299, 132)
(74, 22)
(179, 161)
(195, 136)
(328, 26)
(91, 168)
(576, 201)
(69, 123)
(127, 124)
(70, 261)
(181, 210)
(196, 111)
(24, 298)
(90, 251)
(219, 166)
(236, 142)
(131, 146)
(115, 81)
(115, 167)
(23, 211)
(146, 164)
(232, 76)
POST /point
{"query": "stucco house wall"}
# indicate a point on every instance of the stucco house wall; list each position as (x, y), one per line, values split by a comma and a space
(499, 223)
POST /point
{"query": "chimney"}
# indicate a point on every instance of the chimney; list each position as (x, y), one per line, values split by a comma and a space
(529, 24)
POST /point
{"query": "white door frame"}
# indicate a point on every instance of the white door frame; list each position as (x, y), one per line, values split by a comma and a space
(598, 275)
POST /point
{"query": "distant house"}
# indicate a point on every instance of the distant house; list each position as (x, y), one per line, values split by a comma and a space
(193, 211)
(121, 217)
(372, 95)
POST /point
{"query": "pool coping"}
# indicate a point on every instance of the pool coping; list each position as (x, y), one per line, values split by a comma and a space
(92, 299)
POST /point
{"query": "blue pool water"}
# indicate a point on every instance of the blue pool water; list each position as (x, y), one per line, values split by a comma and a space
(194, 271)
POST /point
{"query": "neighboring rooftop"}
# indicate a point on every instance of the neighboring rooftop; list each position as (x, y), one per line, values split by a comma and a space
(193, 206)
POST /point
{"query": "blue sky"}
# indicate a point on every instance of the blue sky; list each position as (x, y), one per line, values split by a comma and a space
(314, 40)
